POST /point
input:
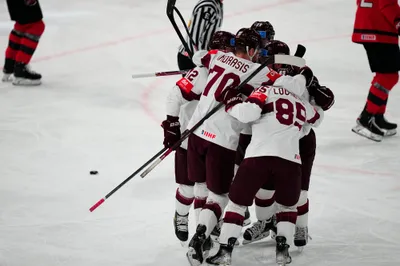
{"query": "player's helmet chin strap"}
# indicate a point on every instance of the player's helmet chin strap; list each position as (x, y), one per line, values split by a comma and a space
(255, 52)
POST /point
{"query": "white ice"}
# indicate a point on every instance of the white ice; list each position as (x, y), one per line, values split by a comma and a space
(90, 115)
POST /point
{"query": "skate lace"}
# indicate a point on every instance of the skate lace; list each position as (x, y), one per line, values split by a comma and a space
(257, 228)
(182, 223)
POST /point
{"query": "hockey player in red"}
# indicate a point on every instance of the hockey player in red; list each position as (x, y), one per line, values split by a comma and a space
(181, 103)
(377, 26)
(23, 40)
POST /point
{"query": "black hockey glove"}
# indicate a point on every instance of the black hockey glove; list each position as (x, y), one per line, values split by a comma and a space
(172, 130)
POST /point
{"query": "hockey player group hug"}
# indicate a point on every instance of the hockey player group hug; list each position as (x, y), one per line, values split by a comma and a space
(259, 147)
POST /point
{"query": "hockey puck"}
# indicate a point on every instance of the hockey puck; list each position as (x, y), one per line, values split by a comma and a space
(94, 172)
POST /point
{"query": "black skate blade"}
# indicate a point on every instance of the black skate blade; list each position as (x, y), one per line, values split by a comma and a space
(362, 131)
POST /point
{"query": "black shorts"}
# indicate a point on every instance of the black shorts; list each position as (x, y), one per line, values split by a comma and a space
(383, 57)
(184, 62)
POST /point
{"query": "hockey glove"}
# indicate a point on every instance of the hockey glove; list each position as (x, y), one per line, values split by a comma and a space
(172, 130)
(308, 74)
(230, 97)
(324, 97)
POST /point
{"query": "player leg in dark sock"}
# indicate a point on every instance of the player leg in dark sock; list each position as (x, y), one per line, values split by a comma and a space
(11, 52)
(28, 44)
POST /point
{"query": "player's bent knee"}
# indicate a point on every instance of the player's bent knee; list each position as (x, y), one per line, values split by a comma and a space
(265, 194)
(303, 198)
(200, 190)
(186, 191)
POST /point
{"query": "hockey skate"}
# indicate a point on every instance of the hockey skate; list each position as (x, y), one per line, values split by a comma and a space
(257, 231)
(367, 127)
(301, 237)
(24, 76)
(224, 254)
(181, 225)
(8, 70)
(247, 220)
(282, 251)
(195, 254)
(389, 129)
(217, 230)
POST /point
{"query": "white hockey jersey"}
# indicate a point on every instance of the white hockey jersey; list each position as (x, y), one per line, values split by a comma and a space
(225, 69)
(277, 117)
(183, 98)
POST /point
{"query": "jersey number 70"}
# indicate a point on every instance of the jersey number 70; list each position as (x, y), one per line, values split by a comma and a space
(218, 72)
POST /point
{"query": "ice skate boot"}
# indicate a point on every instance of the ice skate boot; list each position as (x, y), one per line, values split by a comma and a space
(24, 76)
(8, 70)
(389, 129)
(257, 231)
(195, 252)
(301, 237)
(224, 254)
(247, 220)
(207, 246)
(282, 251)
(367, 127)
(217, 230)
(181, 225)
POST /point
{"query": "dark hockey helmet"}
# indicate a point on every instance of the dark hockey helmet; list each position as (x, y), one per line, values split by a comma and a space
(278, 47)
(222, 40)
(265, 29)
(247, 38)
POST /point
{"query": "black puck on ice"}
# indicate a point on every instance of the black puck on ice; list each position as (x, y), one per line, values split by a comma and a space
(94, 172)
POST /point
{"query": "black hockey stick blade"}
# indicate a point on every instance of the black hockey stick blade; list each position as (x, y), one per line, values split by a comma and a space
(300, 51)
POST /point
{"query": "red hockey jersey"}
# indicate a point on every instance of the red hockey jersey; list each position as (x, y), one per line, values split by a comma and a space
(376, 21)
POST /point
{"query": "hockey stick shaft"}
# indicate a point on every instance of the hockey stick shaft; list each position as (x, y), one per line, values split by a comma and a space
(185, 26)
(160, 74)
(102, 200)
(186, 133)
(170, 15)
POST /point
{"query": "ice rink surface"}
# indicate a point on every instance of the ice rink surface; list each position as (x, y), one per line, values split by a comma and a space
(90, 115)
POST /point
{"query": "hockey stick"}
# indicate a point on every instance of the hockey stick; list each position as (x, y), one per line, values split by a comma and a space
(185, 26)
(170, 15)
(300, 51)
(270, 60)
(101, 201)
(160, 74)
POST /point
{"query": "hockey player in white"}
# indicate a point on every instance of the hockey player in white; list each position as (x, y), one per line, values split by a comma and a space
(181, 103)
(212, 147)
(277, 115)
(323, 98)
